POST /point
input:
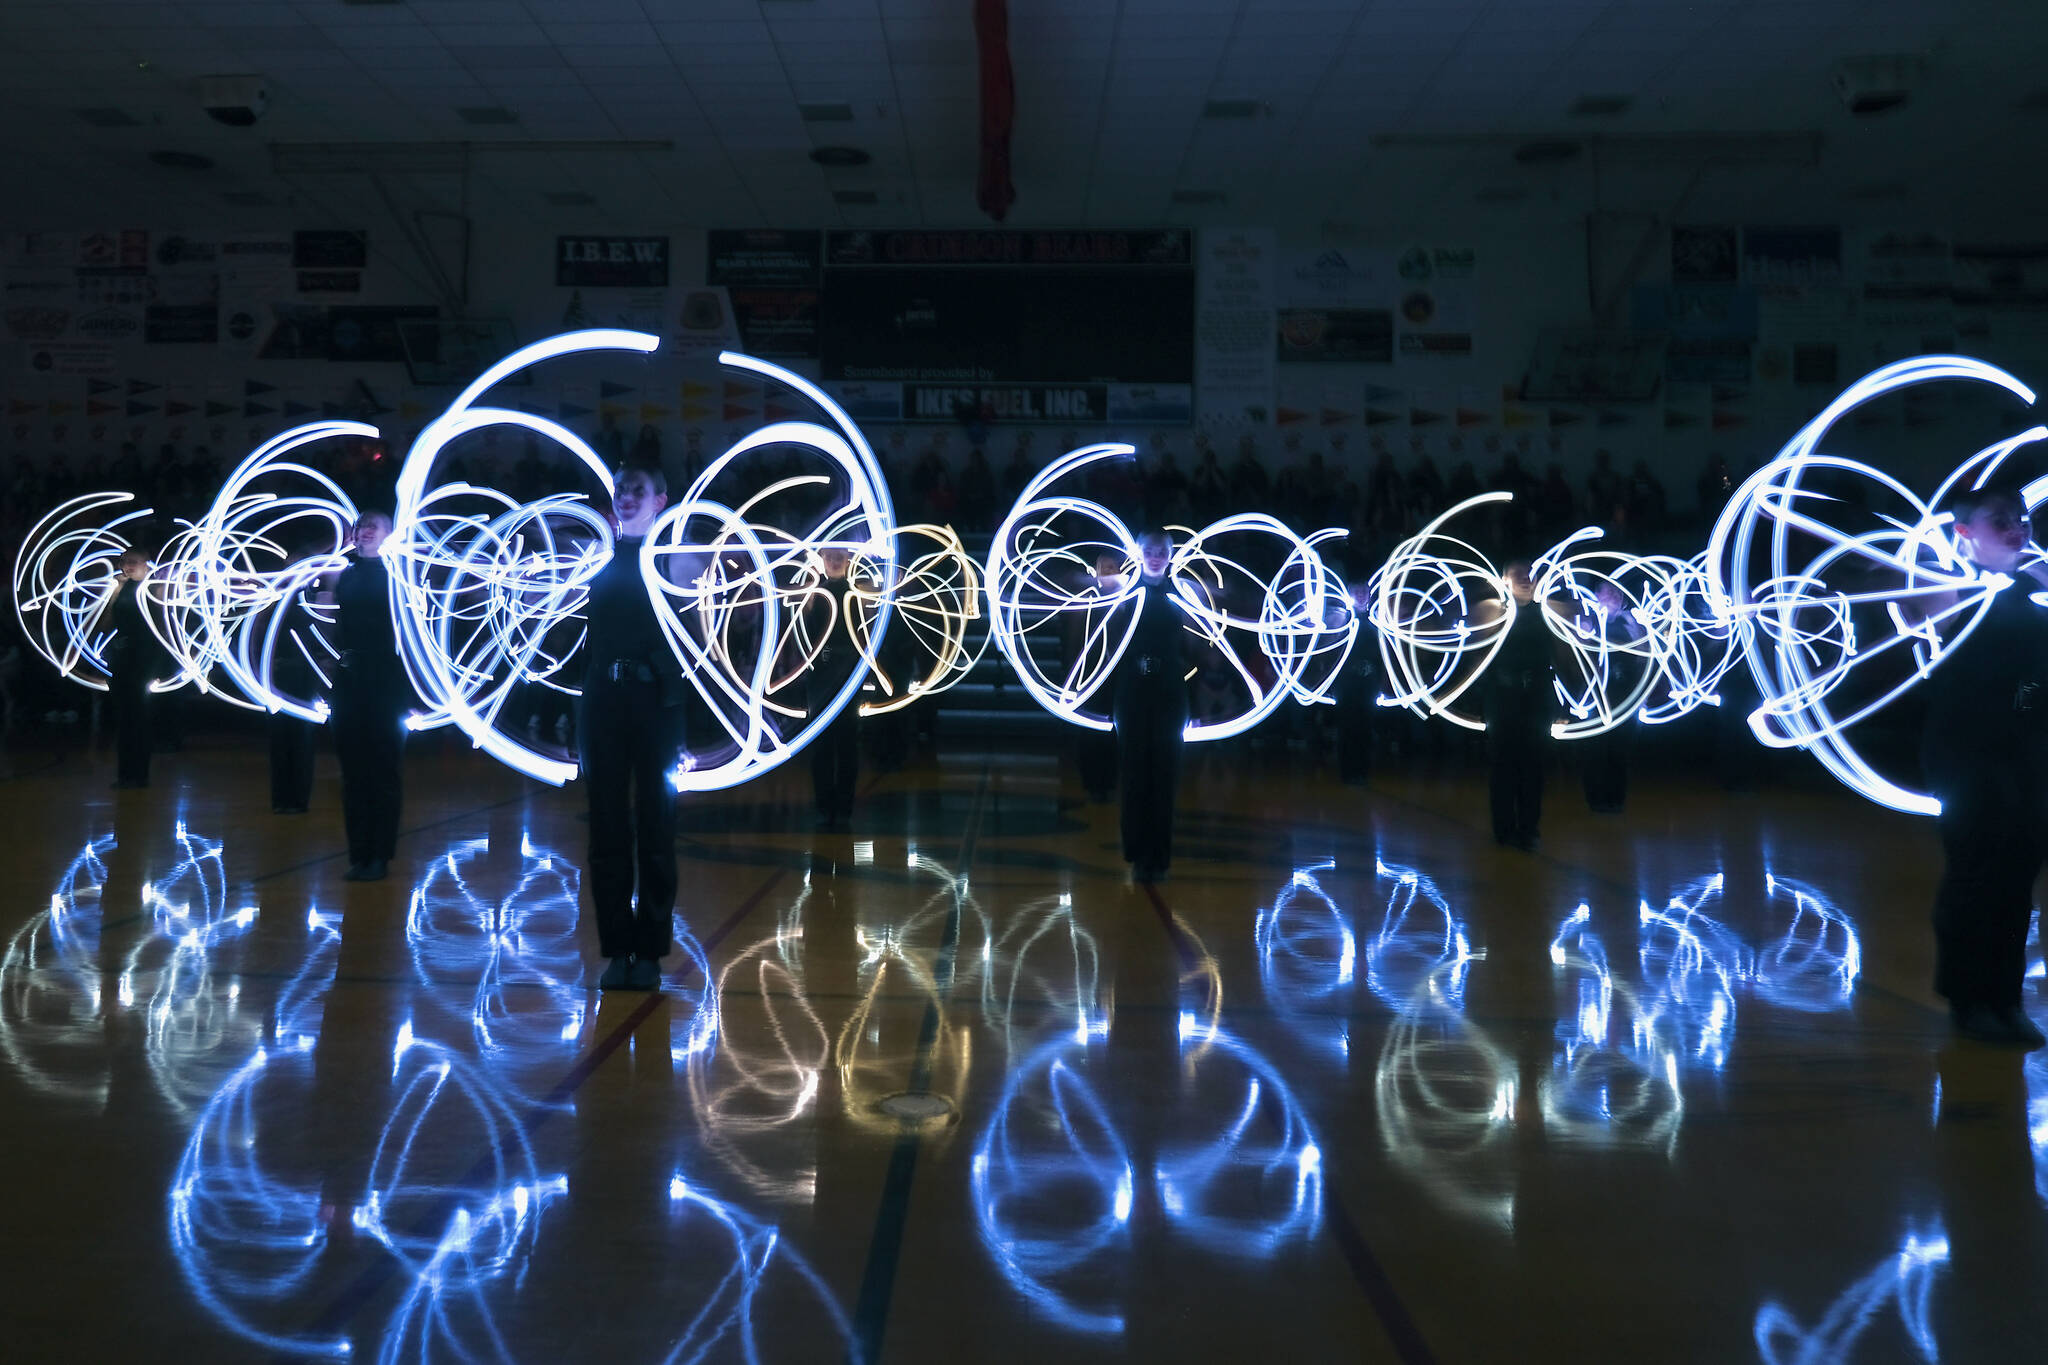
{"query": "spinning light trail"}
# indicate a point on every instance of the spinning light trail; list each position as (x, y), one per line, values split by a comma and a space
(487, 592)
(1049, 542)
(220, 594)
(64, 576)
(1811, 632)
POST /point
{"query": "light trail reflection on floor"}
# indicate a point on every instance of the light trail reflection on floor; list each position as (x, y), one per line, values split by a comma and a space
(52, 1017)
(1614, 1075)
(1053, 1186)
(763, 1077)
(1308, 951)
(199, 1029)
(1903, 1280)
(508, 965)
(1445, 1096)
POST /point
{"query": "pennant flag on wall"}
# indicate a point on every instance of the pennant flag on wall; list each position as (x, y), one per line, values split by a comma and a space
(176, 408)
(1472, 417)
(216, 408)
(252, 387)
(653, 412)
(1679, 417)
(136, 409)
(100, 407)
(1380, 393)
(1337, 417)
(22, 407)
(1516, 418)
(99, 386)
(1616, 419)
(136, 386)
(1379, 417)
(257, 410)
(1725, 418)
(609, 389)
(745, 393)
(776, 412)
(568, 410)
(693, 389)
(1419, 417)
(696, 412)
(1730, 393)
(1285, 417)
(294, 408)
(736, 413)
(60, 408)
(1564, 417)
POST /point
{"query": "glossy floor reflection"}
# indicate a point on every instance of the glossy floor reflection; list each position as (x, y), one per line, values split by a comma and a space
(1355, 1085)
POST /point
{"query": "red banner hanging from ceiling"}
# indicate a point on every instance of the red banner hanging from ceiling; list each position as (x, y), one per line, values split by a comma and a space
(993, 190)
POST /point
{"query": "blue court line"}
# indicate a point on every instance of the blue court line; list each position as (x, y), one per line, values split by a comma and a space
(885, 1245)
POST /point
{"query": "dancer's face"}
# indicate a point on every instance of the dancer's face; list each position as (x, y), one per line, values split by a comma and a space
(1996, 535)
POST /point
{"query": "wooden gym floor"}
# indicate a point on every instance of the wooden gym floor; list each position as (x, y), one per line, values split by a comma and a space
(1353, 1085)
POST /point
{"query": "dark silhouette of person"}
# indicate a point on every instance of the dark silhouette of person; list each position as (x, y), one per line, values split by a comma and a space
(1983, 747)
(1151, 713)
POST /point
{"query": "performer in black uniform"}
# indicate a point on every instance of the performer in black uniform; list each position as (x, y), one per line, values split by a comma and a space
(133, 659)
(1604, 757)
(835, 753)
(1357, 693)
(630, 732)
(1983, 750)
(1519, 701)
(369, 697)
(291, 736)
(1095, 750)
(1151, 711)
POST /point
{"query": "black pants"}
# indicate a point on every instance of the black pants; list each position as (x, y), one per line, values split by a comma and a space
(1605, 770)
(629, 745)
(128, 693)
(1516, 736)
(835, 753)
(1095, 755)
(1148, 745)
(1354, 735)
(1992, 846)
(291, 760)
(369, 739)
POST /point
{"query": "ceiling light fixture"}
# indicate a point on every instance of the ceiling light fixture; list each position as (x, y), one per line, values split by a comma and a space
(840, 157)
